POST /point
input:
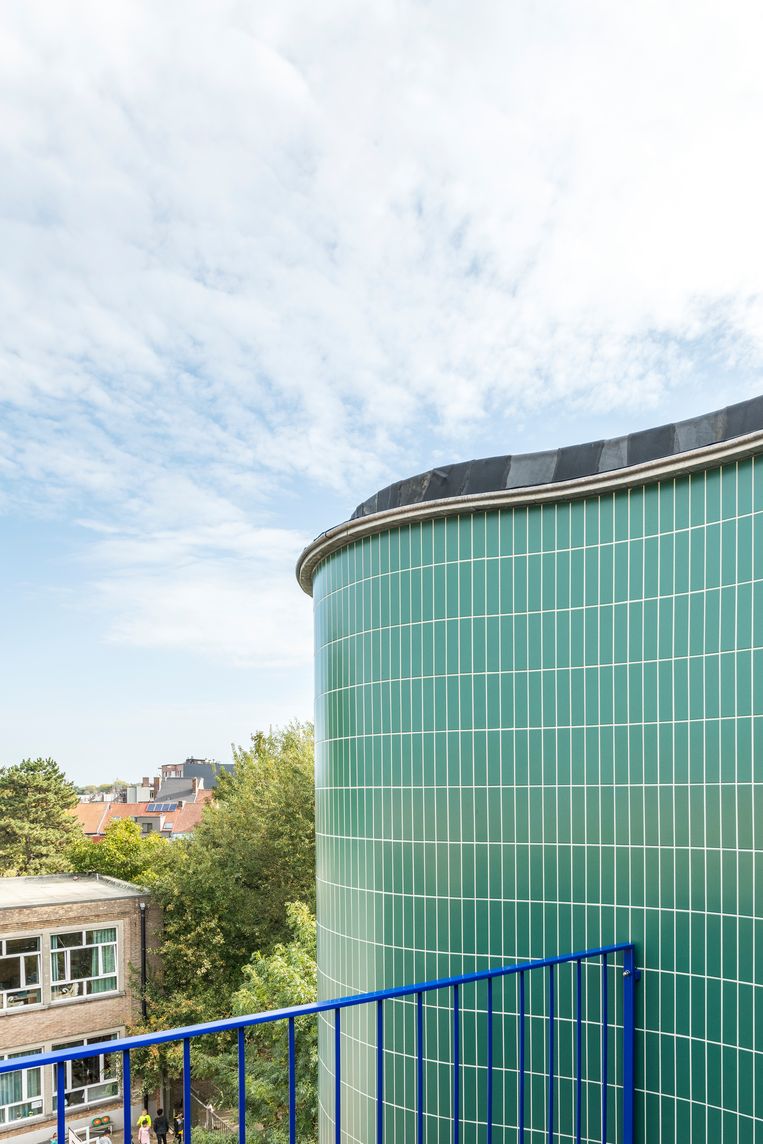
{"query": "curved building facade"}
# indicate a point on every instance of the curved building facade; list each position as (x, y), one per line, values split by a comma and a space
(539, 728)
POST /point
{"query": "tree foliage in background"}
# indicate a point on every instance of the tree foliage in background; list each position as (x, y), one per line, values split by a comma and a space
(231, 941)
(286, 976)
(123, 852)
(225, 894)
(35, 826)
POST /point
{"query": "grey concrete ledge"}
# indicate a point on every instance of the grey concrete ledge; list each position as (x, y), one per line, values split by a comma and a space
(564, 474)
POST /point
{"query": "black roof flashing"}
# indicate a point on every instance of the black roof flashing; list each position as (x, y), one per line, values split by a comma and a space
(523, 470)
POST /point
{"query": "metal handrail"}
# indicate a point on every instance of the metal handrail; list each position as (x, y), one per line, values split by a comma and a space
(186, 1033)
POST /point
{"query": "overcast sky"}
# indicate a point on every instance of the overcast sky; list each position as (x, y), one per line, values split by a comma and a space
(259, 259)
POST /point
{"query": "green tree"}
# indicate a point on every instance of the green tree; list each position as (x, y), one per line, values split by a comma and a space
(225, 893)
(123, 852)
(286, 976)
(35, 826)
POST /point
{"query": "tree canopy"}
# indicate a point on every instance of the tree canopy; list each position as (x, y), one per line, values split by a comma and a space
(123, 852)
(35, 826)
(233, 939)
(225, 894)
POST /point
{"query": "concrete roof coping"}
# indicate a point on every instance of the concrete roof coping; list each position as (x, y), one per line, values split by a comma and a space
(64, 889)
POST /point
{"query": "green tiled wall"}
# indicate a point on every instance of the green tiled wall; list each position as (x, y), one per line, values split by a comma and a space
(538, 730)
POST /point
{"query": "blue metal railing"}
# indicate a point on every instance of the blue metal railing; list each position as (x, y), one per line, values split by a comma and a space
(603, 954)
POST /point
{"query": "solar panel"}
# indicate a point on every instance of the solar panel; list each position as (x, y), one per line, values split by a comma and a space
(160, 807)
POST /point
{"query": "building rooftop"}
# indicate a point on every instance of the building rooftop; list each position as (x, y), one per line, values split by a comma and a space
(60, 889)
(179, 820)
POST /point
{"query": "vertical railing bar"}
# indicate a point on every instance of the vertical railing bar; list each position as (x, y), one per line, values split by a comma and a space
(126, 1095)
(579, 1051)
(337, 1077)
(420, 1068)
(629, 1037)
(186, 1090)
(489, 1060)
(241, 1087)
(292, 1084)
(521, 1058)
(604, 1047)
(551, 1020)
(456, 1068)
(379, 1071)
(61, 1101)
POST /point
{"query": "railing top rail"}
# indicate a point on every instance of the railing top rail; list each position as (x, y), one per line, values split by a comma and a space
(168, 1036)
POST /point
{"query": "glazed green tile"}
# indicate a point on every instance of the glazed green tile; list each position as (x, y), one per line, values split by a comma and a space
(563, 667)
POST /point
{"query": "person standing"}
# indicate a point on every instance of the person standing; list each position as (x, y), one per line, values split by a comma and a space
(161, 1126)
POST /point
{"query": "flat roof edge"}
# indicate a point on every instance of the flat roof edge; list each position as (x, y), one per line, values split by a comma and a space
(664, 467)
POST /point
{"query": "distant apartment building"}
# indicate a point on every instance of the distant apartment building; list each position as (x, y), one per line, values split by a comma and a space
(206, 770)
(72, 950)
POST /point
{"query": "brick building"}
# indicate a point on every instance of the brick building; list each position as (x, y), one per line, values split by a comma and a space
(72, 952)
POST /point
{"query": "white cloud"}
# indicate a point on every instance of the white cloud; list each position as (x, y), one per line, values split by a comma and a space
(246, 243)
(224, 589)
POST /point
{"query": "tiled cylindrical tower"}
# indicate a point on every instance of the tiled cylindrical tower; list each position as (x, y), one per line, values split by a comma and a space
(539, 727)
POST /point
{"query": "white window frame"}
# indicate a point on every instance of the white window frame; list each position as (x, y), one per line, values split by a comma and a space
(6, 994)
(76, 987)
(36, 1100)
(99, 1061)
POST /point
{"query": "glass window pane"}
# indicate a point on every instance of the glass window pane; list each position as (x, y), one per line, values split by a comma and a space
(99, 1091)
(34, 1082)
(85, 1071)
(10, 972)
(73, 989)
(101, 936)
(24, 997)
(58, 966)
(102, 985)
(108, 959)
(10, 1088)
(20, 1112)
(23, 945)
(66, 940)
(31, 970)
(83, 963)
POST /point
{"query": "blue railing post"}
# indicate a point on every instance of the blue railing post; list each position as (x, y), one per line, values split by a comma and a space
(337, 1077)
(630, 976)
(420, 1068)
(578, 1050)
(186, 1090)
(456, 1068)
(127, 1097)
(292, 1085)
(604, 1047)
(241, 1087)
(551, 1030)
(521, 1058)
(379, 1071)
(61, 1101)
(489, 1133)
